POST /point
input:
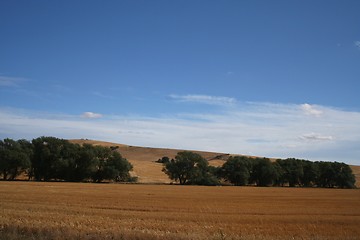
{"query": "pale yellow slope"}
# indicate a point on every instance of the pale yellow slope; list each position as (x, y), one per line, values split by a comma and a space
(144, 159)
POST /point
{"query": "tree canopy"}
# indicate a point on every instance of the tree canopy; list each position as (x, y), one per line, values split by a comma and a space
(189, 168)
(14, 157)
(50, 158)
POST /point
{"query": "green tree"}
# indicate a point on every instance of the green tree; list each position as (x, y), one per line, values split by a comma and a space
(344, 178)
(311, 173)
(49, 158)
(237, 170)
(164, 159)
(121, 165)
(292, 171)
(84, 163)
(335, 174)
(326, 175)
(77, 163)
(279, 174)
(263, 172)
(110, 166)
(189, 168)
(14, 158)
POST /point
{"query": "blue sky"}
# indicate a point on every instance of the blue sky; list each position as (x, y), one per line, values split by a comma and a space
(268, 78)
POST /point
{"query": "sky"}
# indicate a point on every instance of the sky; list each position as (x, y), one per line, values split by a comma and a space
(267, 78)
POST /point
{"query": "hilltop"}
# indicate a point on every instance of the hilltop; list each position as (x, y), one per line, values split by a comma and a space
(149, 171)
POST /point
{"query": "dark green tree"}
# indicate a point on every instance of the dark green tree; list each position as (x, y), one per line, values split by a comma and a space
(335, 174)
(237, 170)
(189, 168)
(279, 174)
(110, 166)
(344, 178)
(164, 159)
(292, 171)
(326, 175)
(311, 173)
(14, 158)
(85, 163)
(49, 158)
(77, 163)
(263, 172)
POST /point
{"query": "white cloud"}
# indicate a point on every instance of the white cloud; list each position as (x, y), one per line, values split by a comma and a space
(91, 115)
(206, 99)
(311, 110)
(316, 137)
(357, 44)
(11, 81)
(270, 130)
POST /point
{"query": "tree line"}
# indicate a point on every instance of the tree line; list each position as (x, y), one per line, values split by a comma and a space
(50, 158)
(192, 168)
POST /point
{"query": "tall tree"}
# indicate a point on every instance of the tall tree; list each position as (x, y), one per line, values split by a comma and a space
(263, 172)
(189, 168)
(48, 158)
(237, 170)
(311, 173)
(292, 171)
(14, 158)
(345, 178)
(110, 165)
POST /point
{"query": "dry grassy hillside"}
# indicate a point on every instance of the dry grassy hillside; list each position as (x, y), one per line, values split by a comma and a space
(144, 159)
(148, 171)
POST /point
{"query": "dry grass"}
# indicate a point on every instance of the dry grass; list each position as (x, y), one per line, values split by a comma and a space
(36, 210)
(143, 159)
(356, 171)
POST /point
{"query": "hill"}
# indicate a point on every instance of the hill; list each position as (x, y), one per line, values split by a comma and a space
(144, 159)
(149, 171)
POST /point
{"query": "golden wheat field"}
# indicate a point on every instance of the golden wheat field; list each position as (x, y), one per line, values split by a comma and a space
(53, 210)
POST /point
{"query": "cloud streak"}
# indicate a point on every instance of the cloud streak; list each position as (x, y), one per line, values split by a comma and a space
(311, 110)
(91, 115)
(11, 81)
(316, 137)
(270, 130)
(101, 95)
(357, 44)
(205, 99)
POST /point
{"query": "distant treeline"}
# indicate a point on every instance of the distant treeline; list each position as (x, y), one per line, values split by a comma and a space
(191, 168)
(50, 158)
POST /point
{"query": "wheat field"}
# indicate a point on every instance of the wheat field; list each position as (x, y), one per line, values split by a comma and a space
(53, 210)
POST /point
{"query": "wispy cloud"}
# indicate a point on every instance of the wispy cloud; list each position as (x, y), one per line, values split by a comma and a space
(206, 99)
(99, 94)
(316, 137)
(11, 81)
(357, 44)
(271, 130)
(91, 115)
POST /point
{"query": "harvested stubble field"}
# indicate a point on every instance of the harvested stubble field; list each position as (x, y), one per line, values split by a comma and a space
(38, 210)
